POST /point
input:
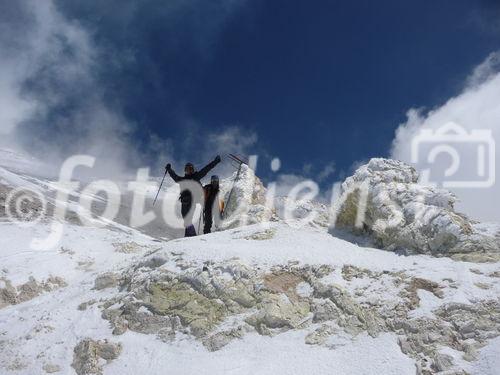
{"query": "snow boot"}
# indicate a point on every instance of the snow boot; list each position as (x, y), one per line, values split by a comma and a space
(190, 231)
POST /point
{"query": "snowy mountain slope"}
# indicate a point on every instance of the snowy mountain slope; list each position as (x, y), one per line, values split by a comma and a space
(45, 330)
(82, 254)
(265, 298)
(21, 171)
(22, 163)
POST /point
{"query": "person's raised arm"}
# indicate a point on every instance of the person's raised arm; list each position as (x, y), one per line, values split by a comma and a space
(207, 168)
(171, 172)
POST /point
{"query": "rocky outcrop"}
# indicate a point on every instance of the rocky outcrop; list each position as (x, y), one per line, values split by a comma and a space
(463, 328)
(88, 356)
(300, 212)
(129, 247)
(384, 201)
(249, 203)
(50, 368)
(219, 303)
(11, 295)
(246, 204)
(106, 280)
(197, 302)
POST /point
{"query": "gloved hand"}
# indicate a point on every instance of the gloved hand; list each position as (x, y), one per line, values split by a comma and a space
(217, 159)
(168, 167)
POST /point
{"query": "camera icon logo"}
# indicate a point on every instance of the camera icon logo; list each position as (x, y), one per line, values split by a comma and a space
(476, 149)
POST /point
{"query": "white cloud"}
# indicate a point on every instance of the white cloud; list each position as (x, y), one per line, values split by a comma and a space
(52, 100)
(286, 182)
(233, 139)
(476, 107)
(327, 171)
(485, 71)
(20, 48)
(48, 62)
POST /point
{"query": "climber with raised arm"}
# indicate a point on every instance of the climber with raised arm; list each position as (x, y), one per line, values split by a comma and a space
(190, 183)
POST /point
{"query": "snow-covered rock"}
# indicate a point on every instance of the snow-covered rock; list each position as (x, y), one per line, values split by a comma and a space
(220, 301)
(249, 203)
(89, 353)
(384, 200)
(300, 212)
(245, 200)
(11, 295)
(277, 299)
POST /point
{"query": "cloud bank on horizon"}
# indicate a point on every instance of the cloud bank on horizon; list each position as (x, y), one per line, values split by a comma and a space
(477, 107)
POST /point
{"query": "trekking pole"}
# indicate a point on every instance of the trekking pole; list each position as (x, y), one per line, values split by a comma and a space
(240, 162)
(163, 179)
(231, 191)
(199, 222)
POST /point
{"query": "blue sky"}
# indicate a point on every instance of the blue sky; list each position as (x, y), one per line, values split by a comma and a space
(313, 83)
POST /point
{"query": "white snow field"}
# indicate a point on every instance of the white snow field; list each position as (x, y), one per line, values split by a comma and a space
(387, 314)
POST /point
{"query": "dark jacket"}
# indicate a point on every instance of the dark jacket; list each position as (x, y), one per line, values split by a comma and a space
(211, 193)
(185, 196)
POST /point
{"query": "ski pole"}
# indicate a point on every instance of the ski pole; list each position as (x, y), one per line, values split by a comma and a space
(163, 179)
(231, 192)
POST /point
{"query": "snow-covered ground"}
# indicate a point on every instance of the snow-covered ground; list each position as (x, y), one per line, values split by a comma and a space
(40, 332)
(45, 330)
